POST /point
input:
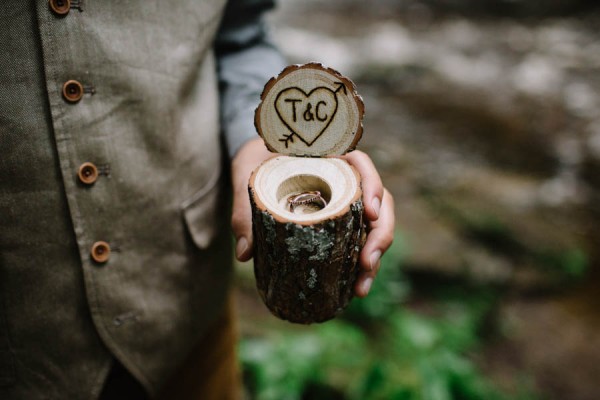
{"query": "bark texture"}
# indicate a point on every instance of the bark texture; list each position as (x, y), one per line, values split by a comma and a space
(306, 274)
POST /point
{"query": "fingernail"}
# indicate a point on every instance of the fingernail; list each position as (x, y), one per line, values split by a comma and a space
(241, 246)
(374, 258)
(366, 285)
(376, 204)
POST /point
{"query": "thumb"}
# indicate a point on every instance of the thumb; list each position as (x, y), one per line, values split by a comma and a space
(241, 224)
(247, 159)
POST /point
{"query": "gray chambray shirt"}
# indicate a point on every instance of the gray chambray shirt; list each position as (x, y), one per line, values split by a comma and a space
(114, 235)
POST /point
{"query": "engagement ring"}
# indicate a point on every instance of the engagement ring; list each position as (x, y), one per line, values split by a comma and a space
(304, 198)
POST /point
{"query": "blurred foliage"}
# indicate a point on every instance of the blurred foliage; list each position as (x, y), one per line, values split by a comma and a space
(563, 263)
(380, 349)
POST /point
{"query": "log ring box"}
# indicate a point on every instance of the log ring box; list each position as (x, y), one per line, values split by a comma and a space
(307, 208)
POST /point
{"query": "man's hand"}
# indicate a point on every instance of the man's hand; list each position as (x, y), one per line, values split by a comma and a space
(379, 209)
(248, 157)
(379, 212)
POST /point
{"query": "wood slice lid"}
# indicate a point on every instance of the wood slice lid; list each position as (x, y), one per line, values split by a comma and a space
(310, 111)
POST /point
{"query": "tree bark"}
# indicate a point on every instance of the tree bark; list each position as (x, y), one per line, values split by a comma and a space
(306, 273)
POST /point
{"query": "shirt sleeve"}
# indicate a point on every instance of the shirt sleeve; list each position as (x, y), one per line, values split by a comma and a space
(246, 59)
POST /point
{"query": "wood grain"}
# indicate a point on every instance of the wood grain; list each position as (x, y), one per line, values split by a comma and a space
(310, 110)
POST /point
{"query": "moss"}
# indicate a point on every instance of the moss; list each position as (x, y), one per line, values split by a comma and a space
(312, 280)
(317, 243)
(269, 223)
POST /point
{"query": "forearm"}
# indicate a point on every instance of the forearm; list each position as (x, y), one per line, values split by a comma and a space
(246, 60)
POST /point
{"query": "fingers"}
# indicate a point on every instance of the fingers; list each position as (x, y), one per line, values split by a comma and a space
(241, 224)
(379, 209)
(245, 161)
(378, 241)
(371, 183)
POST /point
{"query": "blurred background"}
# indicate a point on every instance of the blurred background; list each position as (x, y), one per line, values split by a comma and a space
(483, 117)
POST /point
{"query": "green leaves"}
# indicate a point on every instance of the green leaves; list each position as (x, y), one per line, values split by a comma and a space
(380, 349)
(282, 366)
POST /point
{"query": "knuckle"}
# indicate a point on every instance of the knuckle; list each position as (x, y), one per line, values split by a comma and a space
(380, 240)
(387, 241)
(358, 154)
(238, 221)
(358, 157)
(389, 195)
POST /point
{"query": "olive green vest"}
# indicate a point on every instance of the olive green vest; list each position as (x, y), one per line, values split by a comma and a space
(148, 122)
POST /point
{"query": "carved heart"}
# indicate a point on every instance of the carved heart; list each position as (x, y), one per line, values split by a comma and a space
(307, 115)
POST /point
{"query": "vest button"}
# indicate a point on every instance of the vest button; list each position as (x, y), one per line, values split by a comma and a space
(87, 173)
(100, 252)
(72, 91)
(60, 7)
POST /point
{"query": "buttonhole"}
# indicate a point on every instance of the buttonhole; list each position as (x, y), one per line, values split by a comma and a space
(78, 4)
(89, 89)
(104, 169)
(115, 247)
(130, 316)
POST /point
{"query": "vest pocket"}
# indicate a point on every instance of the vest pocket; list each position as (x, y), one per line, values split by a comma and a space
(200, 213)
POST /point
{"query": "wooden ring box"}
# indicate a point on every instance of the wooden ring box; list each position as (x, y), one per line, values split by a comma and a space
(306, 257)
